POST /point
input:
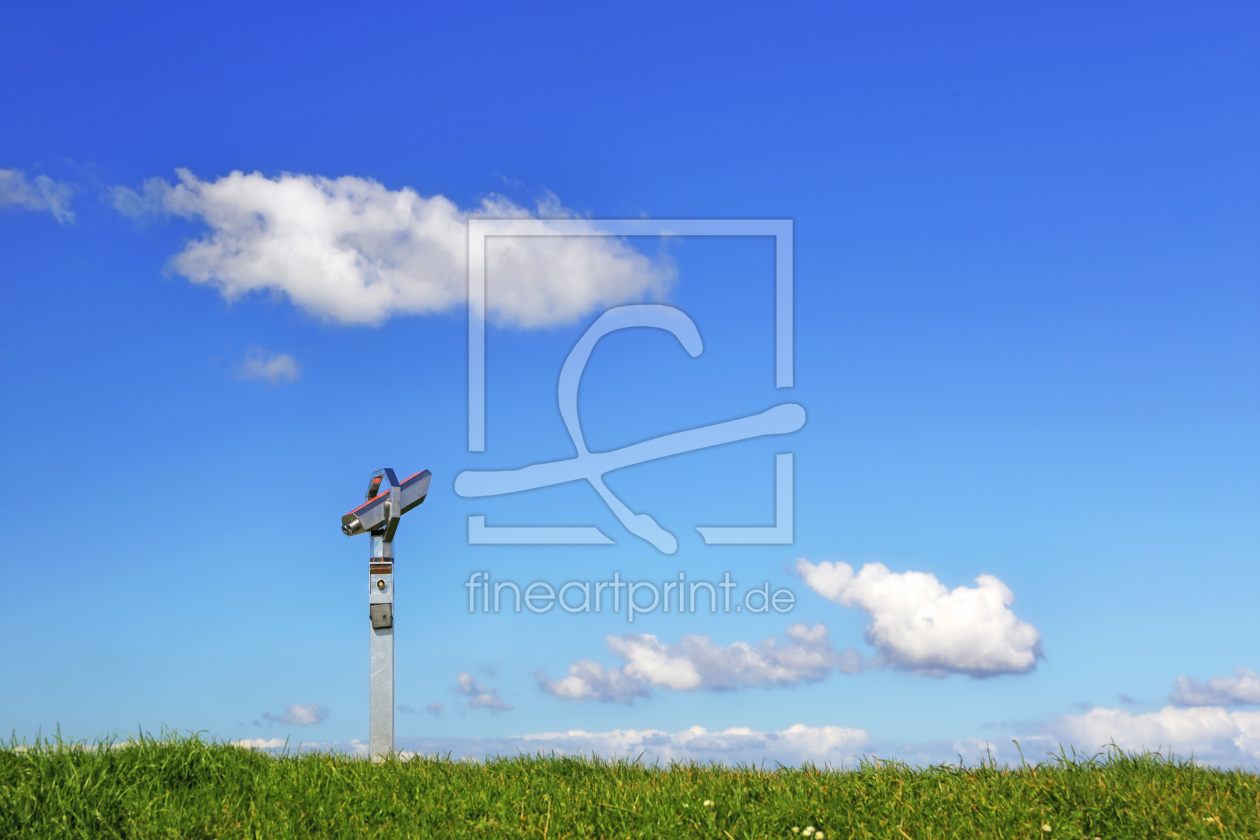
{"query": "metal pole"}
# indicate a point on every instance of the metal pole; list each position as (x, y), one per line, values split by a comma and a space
(381, 612)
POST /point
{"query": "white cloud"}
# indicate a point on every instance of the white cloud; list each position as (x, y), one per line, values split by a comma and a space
(269, 367)
(482, 697)
(349, 250)
(38, 193)
(1240, 690)
(919, 625)
(300, 715)
(150, 202)
(697, 663)
(260, 743)
(1210, 733)
(434, 708)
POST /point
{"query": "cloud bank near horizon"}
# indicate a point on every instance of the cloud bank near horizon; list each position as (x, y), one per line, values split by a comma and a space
(918, 625)
(349, 250)
(1213, 736)
(1208, 733)
(823, 745)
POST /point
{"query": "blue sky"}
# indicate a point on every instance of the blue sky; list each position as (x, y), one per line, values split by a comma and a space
(1025, 314)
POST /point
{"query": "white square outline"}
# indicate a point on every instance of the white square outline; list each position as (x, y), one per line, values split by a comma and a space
(479, 229)
(781, 533)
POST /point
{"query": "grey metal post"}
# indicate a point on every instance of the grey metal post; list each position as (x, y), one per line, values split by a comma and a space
(379, 516)
(381, 646)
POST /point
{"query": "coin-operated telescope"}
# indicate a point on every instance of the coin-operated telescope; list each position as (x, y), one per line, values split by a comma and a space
(387, 501)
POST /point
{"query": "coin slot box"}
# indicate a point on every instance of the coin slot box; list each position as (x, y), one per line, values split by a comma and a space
(382, 616)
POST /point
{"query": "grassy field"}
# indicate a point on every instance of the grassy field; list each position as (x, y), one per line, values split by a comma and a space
(185, 787)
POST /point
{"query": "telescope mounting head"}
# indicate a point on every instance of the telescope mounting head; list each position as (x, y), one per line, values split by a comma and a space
(387, 499)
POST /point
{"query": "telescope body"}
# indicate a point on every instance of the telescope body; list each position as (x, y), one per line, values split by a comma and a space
(375, 513)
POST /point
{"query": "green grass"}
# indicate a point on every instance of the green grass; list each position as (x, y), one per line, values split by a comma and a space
(185, 787)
